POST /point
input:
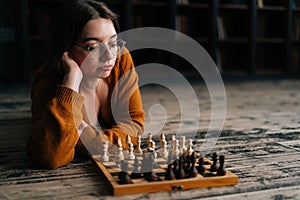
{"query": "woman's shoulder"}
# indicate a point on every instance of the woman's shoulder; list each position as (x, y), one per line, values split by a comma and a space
(44, 79)
(124, 61)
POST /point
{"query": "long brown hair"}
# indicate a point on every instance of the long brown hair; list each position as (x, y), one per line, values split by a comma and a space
(69, 24)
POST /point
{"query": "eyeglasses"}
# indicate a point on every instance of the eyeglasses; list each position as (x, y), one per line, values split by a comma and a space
(98, 49)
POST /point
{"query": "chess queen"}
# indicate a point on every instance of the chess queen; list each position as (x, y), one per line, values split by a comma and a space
(74, 100)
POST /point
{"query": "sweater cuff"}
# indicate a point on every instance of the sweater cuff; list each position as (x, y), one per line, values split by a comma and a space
(69, 96)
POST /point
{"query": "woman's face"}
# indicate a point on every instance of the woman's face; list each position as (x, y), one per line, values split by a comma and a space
(92, 52)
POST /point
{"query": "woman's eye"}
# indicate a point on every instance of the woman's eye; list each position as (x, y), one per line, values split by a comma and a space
(113, 45)
(91, 48)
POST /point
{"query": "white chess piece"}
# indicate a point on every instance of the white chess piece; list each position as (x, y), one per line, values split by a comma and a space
(162, 138)
(190, 147)
(105, 156)
(182, 144)
(173, 139)
(176, 151)
(138, 149)
(131, 155)
(128, 141)
(164, 152)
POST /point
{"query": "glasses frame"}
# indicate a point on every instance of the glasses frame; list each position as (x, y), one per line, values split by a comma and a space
(103, 47)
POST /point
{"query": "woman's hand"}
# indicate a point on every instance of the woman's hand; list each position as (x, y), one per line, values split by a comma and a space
(73, 74)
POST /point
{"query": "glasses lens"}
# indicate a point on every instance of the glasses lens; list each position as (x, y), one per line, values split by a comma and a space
(115, 48)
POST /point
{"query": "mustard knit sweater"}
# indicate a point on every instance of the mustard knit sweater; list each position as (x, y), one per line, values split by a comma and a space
(57, 112)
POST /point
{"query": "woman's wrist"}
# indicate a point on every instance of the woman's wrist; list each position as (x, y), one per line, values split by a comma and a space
(72, 81)
(81, 127)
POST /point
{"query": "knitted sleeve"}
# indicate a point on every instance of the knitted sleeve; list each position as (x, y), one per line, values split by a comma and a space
(56, 114)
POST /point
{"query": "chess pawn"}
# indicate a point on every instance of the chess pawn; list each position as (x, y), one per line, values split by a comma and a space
(201, 168)
(105, 156)
(151, 148)
(221, 170)
(213, 167)
(131, 155)
(176, 151)
(190, 150)
(120, 155)
(169, 173)
(173, 139)
(164, 153)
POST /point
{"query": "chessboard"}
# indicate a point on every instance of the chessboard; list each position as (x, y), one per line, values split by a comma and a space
(159, 174)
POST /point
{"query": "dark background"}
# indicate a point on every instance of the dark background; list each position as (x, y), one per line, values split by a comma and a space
(243, 38)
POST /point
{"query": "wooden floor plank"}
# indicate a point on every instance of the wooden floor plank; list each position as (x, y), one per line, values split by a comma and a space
(259, 141)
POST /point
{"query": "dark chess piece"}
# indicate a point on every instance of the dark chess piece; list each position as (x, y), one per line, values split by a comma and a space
(187, 164)
(221, 170)
(175, 166)
(193, 171)
(180, 173)
(169, 174)
(213, 167)
(136, 173)
(201, 168)
(123, 175)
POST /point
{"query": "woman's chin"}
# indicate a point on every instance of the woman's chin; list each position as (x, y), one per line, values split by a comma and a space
(105, 74)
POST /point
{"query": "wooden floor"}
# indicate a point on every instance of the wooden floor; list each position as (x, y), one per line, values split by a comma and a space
(260, 139)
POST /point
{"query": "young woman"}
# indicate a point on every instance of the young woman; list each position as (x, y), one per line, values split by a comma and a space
(86, 91)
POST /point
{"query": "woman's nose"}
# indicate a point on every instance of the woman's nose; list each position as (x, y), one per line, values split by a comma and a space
(107, 55)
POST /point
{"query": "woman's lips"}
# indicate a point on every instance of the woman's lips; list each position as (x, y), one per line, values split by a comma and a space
(108, 68)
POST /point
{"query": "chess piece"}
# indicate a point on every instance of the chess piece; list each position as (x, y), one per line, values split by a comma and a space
(180, 173)
(213, 167)
(193, 171)
(119, 143)
(105, 156)
(162, 138)
(164, 152)
(187, 165)
(131, 155)
(190, 150)
(136, 173)
(128, 141)
(163, 147)
(123, 175)
(176, 151)
(138, 149)
(169, 173)
(201, 168)
(149, 140)
(221, 170)
(119, 155)
(182, 144)
(172, 142)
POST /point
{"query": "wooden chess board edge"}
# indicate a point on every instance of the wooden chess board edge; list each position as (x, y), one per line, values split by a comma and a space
(182, 184)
